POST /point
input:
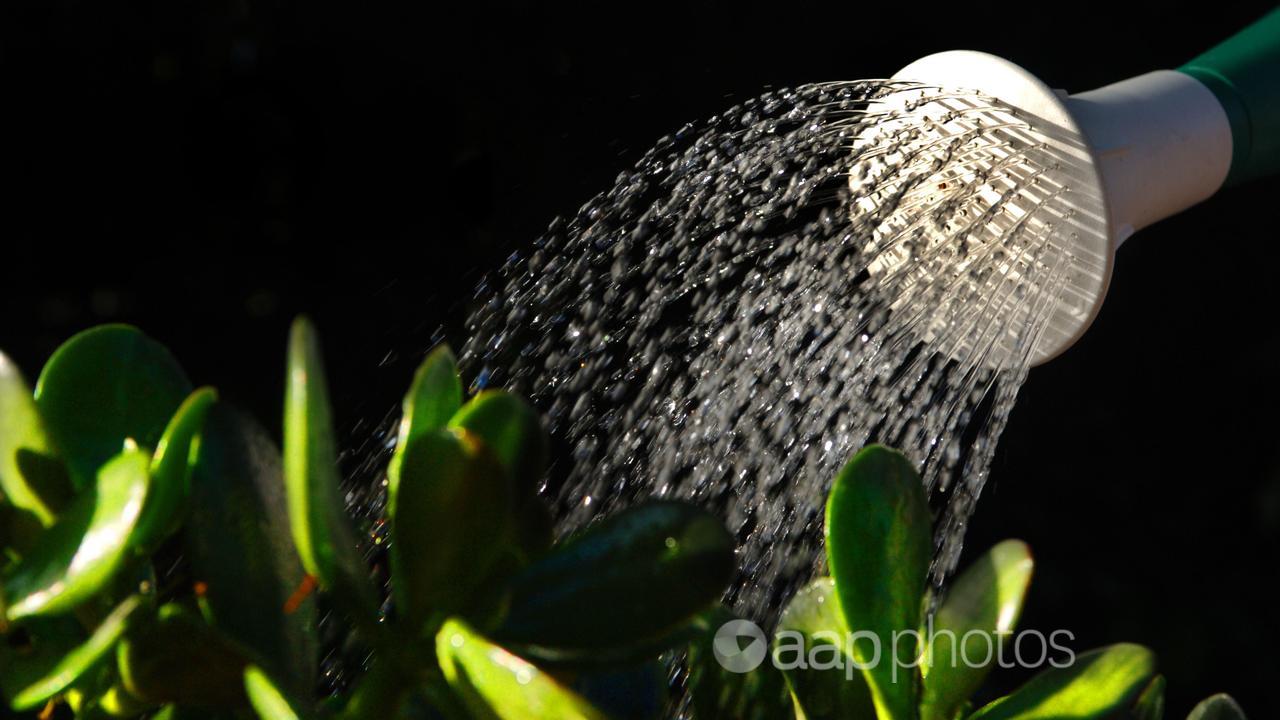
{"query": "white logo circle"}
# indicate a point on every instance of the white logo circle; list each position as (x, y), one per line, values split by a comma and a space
(740, 646)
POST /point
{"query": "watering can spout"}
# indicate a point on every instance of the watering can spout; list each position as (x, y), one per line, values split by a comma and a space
(1139, 150)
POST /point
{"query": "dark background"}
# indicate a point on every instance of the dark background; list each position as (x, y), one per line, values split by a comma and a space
(206, 170)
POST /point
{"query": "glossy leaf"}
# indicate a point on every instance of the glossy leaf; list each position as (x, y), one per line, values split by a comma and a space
(241, 552)
(434, 397)
(30, 682)
(103, 386)
(980, 612)
(878, 549)
(626, 581)
(178, 658)
(266, 698)
(452, 524)
(81, 553)
(1150, 703)
(813, 647)
(511, 429)
(497, 684)
(1100, 683)
(1217, 707)
(321, 531)
(22, 429)
(171, 472)
(717, 692)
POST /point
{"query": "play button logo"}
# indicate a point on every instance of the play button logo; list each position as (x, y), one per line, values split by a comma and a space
(740, 646)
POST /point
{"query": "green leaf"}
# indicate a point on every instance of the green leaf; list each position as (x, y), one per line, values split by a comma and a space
(980, 612)
(1217, 707)
(1100, 683)
(103, 386)
(717, 692)
(178, 658)
(171, 472)
(1150, 704)
(30, 682)
(436, 394)
(513, 431)
(321, 531)
(21, 429)
(81, 553)
(628, 580)
(813, 647)
(497, 684)
(241, 553)
(266, 698)
(878, 549)
(452, 524)
(118, 702)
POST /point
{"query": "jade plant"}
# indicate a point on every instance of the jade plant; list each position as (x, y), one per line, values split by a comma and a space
(163, 559)
(875, 652)
(162, 556)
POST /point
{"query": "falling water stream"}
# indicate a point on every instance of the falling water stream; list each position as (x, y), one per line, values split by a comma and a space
(765, 292)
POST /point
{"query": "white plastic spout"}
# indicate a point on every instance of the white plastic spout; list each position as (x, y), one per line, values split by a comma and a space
(1161, 142)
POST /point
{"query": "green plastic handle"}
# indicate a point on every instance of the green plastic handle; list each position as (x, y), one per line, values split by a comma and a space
(1244, 73)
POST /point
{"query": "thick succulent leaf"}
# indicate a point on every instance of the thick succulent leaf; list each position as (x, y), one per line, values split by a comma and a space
(497, 684)
(1150, 703)
(30, 681)
(511, 429)
(434, 397)
(980, 612)
(628, 580)
(103, 386)
(241, 553)
(759, 693)
(878, 550)
(321, 530)
(1217, 707)
(21, 429)
(452, 524)
(813, 648)
(171, 472)
(267, 699)
(178, 658)
(81, 553)
(1100, 683)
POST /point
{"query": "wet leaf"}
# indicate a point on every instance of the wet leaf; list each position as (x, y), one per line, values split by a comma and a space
(171, 472)
(103, 386)
(30, 682)
(80, 554)
(241, 552)
(433, 398)
(1217, 707)
(266, 698)
(21, 429)
(321, 530)
(178, 658)
(1100, 683)
(1150, 704)
(497, 684)
(717, 692)
(878, 549)
(813, 647)
(630, 579)
(981, 610)
(452, 524)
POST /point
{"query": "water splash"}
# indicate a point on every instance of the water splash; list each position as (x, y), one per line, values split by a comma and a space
(764, 293)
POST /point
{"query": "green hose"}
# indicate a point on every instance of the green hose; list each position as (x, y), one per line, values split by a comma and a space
(1244, 73)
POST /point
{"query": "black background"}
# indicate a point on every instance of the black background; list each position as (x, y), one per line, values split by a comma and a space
(206, 170)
